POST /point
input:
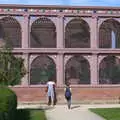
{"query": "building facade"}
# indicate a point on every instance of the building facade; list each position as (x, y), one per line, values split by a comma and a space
(65, 43)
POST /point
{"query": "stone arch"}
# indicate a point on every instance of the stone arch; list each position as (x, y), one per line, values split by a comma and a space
(43, 33)
(43, 68)
(34, 18)
(101, 20)
(109, 70)
(109, 34)
(69, 19)
(77, 70)
(10, 32)
(77, 34)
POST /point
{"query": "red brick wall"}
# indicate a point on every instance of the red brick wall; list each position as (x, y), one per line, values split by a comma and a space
(38, 94)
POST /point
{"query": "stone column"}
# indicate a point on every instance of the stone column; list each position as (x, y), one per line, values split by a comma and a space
(25, 31)
(25, 79)
(60, 70)
(94, 32)
(94, 69)
(60, 32)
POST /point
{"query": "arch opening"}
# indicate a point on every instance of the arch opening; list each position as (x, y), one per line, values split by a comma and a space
(77, 34)
(42, 69)
(109, 70)
(10, 32)
(43, 34)
(109, 34)
(77, 70)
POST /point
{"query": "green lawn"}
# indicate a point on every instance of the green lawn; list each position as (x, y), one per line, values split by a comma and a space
(29, 114)
(108, 113)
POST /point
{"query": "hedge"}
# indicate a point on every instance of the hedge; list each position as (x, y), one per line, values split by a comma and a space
(8, 103)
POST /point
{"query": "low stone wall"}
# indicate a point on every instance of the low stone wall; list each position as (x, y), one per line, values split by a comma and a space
(87, 94)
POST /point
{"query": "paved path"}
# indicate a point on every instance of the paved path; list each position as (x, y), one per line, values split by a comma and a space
(61, 112)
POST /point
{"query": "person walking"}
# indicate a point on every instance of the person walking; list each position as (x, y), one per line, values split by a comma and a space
(68, 95)
(51, 92)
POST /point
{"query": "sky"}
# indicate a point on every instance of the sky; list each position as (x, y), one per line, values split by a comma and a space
(113, 3)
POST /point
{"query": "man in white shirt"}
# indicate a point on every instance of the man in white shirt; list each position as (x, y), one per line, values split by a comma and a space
(51, 92)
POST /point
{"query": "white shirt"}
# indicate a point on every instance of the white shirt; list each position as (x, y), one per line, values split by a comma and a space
(50, 85)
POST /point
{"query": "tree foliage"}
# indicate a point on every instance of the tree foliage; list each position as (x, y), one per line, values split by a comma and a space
(11, 68)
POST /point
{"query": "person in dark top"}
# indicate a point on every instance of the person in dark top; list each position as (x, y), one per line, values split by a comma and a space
(68, 95)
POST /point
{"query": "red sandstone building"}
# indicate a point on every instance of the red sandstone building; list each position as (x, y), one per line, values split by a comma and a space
(79, 44)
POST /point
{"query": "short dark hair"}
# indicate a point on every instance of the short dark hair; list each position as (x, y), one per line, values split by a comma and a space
(68, 83)
(49, 79)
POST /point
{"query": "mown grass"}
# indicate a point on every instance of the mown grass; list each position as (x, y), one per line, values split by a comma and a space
(108, 113)
(30, 114)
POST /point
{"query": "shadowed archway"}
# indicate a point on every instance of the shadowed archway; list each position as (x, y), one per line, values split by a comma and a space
(43, 34)
(109, 34)
(109, 70)
(42, 69)
(10, 32)
(77, 70)
(77, 34)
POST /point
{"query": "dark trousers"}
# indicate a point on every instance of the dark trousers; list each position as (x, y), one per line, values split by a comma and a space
(68, 102)
(50, 100)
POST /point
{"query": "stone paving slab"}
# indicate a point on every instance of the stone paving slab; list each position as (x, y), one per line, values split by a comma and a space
(82, 106)
(76, 112)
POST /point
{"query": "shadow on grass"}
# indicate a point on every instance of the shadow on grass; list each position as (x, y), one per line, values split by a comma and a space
(30, 114)
(23, 114)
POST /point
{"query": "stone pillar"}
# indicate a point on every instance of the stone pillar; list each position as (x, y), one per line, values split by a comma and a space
(94, 69)
(60, 70)
(94, 33)
(25, 79)
(60, 32)
(25, 31)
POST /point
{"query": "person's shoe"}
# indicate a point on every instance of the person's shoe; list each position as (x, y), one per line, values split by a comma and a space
(49, 104)
(54, 103)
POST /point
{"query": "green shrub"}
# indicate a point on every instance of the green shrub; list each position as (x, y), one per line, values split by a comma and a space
(12, 68)
(8, 103)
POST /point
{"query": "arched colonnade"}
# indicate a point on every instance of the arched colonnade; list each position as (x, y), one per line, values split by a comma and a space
(59, 42)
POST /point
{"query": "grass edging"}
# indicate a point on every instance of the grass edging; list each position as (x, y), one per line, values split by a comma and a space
(107, 113)
(30, 114)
